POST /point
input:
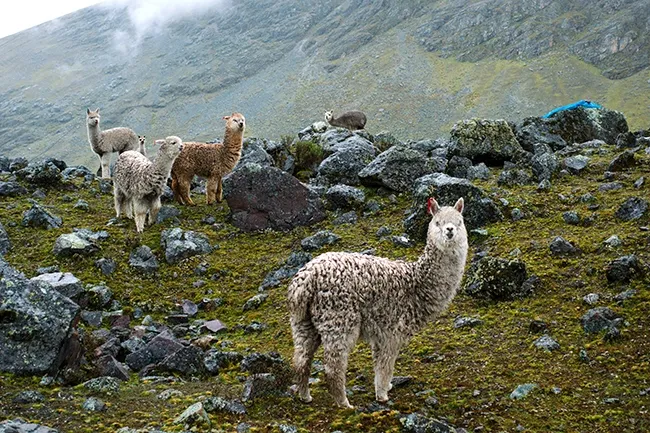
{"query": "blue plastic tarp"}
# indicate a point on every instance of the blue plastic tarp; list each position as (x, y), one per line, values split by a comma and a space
(582, 103)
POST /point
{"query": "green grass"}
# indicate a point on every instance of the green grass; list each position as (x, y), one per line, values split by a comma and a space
(470, 371)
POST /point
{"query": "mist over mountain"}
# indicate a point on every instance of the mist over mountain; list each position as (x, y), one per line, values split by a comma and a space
(415, 67)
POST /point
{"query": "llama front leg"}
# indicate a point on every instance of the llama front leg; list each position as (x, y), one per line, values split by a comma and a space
(212, 190)
(384, 357)
(105, 161)
(154, 208)
(305, 341)
(140, 209)
(219, 190)
(336, 350)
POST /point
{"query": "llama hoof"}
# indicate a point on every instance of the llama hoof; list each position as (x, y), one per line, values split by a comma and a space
(382, 399)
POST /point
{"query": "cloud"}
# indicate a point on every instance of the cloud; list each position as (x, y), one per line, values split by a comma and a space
(148, 17)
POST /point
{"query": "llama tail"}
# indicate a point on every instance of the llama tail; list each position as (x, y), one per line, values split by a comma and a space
(299, 296)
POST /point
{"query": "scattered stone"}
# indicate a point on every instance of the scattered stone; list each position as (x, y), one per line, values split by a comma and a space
(613, 241)
(168, 212)
(346, 218)
(598, 319)
(516, 214)
(189, 308)
(383, 231)
(571, 217)
(576, 164)
(169, 393)
(109, 366)
(544, 166)
(179, 244)
(215, 360)
(345, 197)
(416, 423)
(610, 186)
(255, 302)
(259, 385)
(560, 247)
(70, 244)
(295, 261)
(107, 266)
(483, 140)
(20, 426)
(632, 209)
(160, 347)
(625, 295)
(193, 415)
(319, 240)
(401, 241)
(537, 327)
(103, 384)
(28, 397)
(591, 298)
(622, 161)
(522, 391)
(639, 182)
(399, 381)
(12, 189)
(214, 326)
(93, 404)
(257, 362)
(497, 279)
(218, 404)
(39, 217)
(143, 260)
(44, 173)
(187, 360)
(514, 177)
(623, 269)
(546, 342)
(467, 322)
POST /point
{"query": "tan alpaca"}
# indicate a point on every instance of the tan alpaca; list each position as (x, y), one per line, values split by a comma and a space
(339, 297)
(212, 161)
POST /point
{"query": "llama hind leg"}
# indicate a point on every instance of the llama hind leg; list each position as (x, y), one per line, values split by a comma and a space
(184, 184)
(219, 193)
(154, 208)
(336, 350)
(384, 356)
(305, 341)
(122, 205)
(140, 209)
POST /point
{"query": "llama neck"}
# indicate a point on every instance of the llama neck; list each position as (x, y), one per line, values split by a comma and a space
(94, 134)
(437, 277)
(232, 144)
(162, 165)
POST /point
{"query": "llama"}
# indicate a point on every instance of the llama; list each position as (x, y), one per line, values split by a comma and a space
(350, 119)
(138, 183)
(338, 297)
(103, 143)
(212, 161)
(142, 142)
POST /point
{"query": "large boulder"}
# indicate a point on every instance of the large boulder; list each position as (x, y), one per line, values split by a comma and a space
(253, 152)
(266, 197)
(344, 166)
(479, 208)
(36, 325)
(399, 167)
(481, 140)
(43, 173)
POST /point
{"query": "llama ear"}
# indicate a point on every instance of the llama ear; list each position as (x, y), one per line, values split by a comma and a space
(97, 110)
(87, 110)
(432, 206)
(460, 205)
(226, 117)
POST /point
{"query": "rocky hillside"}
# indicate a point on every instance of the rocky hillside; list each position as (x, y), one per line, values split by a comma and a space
(185, 327)
(414, 67)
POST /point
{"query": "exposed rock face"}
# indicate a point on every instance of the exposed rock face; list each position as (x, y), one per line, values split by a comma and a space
(65, 283)
(479, 209)
(489, 141)
(399, 167)
(36, 325)
(266, 197)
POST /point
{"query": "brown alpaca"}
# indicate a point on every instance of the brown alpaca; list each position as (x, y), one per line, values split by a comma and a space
(212, 161)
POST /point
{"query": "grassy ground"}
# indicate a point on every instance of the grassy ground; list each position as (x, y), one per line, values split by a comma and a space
(471, 371)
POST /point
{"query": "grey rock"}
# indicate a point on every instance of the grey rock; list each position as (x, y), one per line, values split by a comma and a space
(103, 384)
(106, 265)
(189, 308)
(544, 166)
(383, 231)
(416, 423)
(319, 240)
(458, 166)
(571, 217)
(625, 295)
(255, 302)
(43, 173)
(20, 426)
(38, 216)
(516, 214)
(295, 261)
(193, 415)
(18, 164)
(260, 385)
(70, 244)
(110, 367)
(37, 333)
(143, 259)
(82, 205)
(93, 404)
(253, 151)
(632, 209)
(610, 186)
(28, 397)
(65, 283)
(345, 165)
(257, 362)
(5, 242)
(514, 177)
(561, 247)
(479, 208)
(576, 164)
(100, 296)
(623, 269)
(266, 197)
(215, 360)
(497, 279)
(346, 218)
(591, 298)
(345, 197)
(546, 342)
(399, 167)
(622, 161)
(179, 244)
(92, 318)
(168, 213)
(12, 189)
(478, 172)
(187, 360)
(544, 185)
(218, 404)
(160, 347)
(482, 140)
(522, 391)
(467, 322)
(401, 241)
(598, 319)
(613, 241)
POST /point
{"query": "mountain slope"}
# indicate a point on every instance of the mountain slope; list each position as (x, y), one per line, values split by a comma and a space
(414, 67)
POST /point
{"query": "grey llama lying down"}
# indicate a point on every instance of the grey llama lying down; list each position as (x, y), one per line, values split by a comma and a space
(339, 297)
(138, 183)
(104, 143)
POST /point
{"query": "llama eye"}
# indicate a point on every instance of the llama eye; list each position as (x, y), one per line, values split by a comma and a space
(438, 223)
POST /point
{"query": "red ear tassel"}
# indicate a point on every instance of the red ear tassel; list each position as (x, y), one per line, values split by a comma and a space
(429, 205)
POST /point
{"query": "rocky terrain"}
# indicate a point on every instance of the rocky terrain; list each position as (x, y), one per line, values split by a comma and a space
(414, 67)
(185, 328)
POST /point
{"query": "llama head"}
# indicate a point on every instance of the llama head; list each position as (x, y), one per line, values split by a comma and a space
(446, 228)
(329, 115)
(92, 117)
(235, 122)
(142, 139)
(170, 147)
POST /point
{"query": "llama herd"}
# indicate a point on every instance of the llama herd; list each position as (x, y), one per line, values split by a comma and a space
(336, 298)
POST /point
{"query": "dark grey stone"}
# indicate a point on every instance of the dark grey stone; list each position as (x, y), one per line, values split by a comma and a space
(571, 217)
(12, 189)
(255, 302)
(143, 259)
(598, 319)
(106, 265)
(576, 164)
(20, 426)
(93, 404)
(544, 166)
(43, 173)
(546, 342)
(27, 397)
(160, 347)
(295, 261)
(467, 322)
(65, 283)
(218, 404)
(38, 216)
(417, 423)
(346, 218)
(622, 161)
(319, 240)
(179, 244)
(494, 278)
(168, 212)
(483, 140)
(215, 360)
(5, 242)
(345, 197)
(623, 269)
(560, 247)
(632, 209)
(187, 360)
(260, 385)
(108, 366)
